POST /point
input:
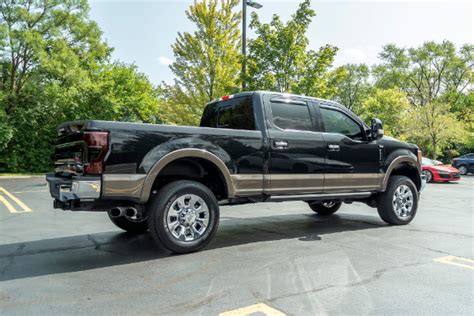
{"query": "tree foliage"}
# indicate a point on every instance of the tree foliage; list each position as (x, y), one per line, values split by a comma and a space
(279, 58)
(389, 105)
(207, 62)
(55, 68)
(434, 127)
(354, 87)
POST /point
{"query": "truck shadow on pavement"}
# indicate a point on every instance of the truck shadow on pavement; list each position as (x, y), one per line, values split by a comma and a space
(85, 252)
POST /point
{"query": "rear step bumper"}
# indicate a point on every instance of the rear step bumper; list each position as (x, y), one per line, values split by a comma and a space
(76, 189)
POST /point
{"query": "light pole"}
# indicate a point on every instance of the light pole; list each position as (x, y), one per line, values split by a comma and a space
(254, 5)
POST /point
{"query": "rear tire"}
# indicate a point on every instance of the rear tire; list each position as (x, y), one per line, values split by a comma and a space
(183, 216)
(399, 203)
(325, 208)
(133, 227)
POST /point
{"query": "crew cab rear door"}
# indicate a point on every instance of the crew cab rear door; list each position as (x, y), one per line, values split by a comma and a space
(352, 161)
(296, 147)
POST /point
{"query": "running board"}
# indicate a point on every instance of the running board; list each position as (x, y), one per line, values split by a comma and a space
(319, 197)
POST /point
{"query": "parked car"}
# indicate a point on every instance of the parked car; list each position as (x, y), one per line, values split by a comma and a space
(465, 163)
(250, 147)
(436, 171)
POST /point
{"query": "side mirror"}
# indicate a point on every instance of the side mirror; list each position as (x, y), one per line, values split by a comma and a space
(376, 129)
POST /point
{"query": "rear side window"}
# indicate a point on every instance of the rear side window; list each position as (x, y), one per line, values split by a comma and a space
(235, 113)
(294, 116)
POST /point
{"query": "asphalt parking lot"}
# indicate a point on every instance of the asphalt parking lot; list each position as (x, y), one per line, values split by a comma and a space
(273, 258)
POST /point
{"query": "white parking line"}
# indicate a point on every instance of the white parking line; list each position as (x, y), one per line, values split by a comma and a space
(253, 309)
(456, 261)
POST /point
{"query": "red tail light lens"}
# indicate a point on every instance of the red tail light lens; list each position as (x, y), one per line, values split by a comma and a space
(97, 144)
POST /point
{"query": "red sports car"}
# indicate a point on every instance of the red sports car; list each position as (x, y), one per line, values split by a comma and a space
(435, 171)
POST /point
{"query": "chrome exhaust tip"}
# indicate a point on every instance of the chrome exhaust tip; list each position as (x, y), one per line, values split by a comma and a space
(116, 212)
(131, 212)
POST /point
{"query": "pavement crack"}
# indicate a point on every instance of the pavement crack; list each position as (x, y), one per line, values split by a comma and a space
(374, 277)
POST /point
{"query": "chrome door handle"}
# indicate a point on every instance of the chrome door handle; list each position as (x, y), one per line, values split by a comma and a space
(333, 147)
(280, 144)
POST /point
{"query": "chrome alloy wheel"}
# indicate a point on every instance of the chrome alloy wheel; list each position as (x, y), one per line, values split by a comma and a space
(188, 217)
(328, 204)
(403, 201)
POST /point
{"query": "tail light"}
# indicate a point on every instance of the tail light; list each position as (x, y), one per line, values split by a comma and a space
(419, 156)
(97, 144)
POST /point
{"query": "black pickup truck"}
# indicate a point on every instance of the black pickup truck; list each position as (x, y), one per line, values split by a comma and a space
(250, 147)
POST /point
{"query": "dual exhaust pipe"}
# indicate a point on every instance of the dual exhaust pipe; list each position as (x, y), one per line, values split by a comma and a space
(129, 212)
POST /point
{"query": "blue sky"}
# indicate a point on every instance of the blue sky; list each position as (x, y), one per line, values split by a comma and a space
(142, 31)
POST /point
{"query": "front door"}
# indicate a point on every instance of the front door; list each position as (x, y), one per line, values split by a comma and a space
(296, 149)
(352, 161)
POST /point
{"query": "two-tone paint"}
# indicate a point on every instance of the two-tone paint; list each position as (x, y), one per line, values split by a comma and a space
(267, 162)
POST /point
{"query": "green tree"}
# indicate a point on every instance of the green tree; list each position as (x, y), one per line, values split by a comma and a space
(391, 106)
(121, 93)
(428, 72)
(354, 87)
(279, 58)
(55, 68)
(207, 61)
(433, 127)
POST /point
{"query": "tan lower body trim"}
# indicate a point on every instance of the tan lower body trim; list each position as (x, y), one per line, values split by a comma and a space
(126, 185)
(345, 182)
(278, 184)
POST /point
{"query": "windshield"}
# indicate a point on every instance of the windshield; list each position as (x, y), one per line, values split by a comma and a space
(429, 162)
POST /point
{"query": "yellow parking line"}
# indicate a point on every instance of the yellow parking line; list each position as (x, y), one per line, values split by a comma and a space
(16, 200)
(456, 261)
(8, 205)
(253, 309)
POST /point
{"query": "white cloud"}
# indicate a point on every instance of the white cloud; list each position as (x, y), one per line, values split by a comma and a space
(358, 55)
(165, 61)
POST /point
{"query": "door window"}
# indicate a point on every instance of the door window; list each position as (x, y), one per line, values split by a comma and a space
(340, 123)
(293, 116)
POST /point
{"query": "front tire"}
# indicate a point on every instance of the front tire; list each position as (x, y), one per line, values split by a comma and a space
(183, 216)
(130, 226)
(428, 175)
(325, 208)
(462, 170)
(399, 203)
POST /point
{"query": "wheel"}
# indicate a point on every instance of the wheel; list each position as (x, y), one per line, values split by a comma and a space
(398, 204)
(462, 169)
(428, 175)
(183, 216)
(325, 208)
(137, 226)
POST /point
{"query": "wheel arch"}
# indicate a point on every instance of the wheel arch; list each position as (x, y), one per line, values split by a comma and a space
(403, 165)
(180, 154)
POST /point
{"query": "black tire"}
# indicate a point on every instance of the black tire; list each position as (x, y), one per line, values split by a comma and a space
(161, 205)
(429, 176)
(133, 227)
(386, 204)
(325, 208)
(463, 170)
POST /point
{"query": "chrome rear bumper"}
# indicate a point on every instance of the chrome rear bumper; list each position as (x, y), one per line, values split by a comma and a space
(76, 188)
